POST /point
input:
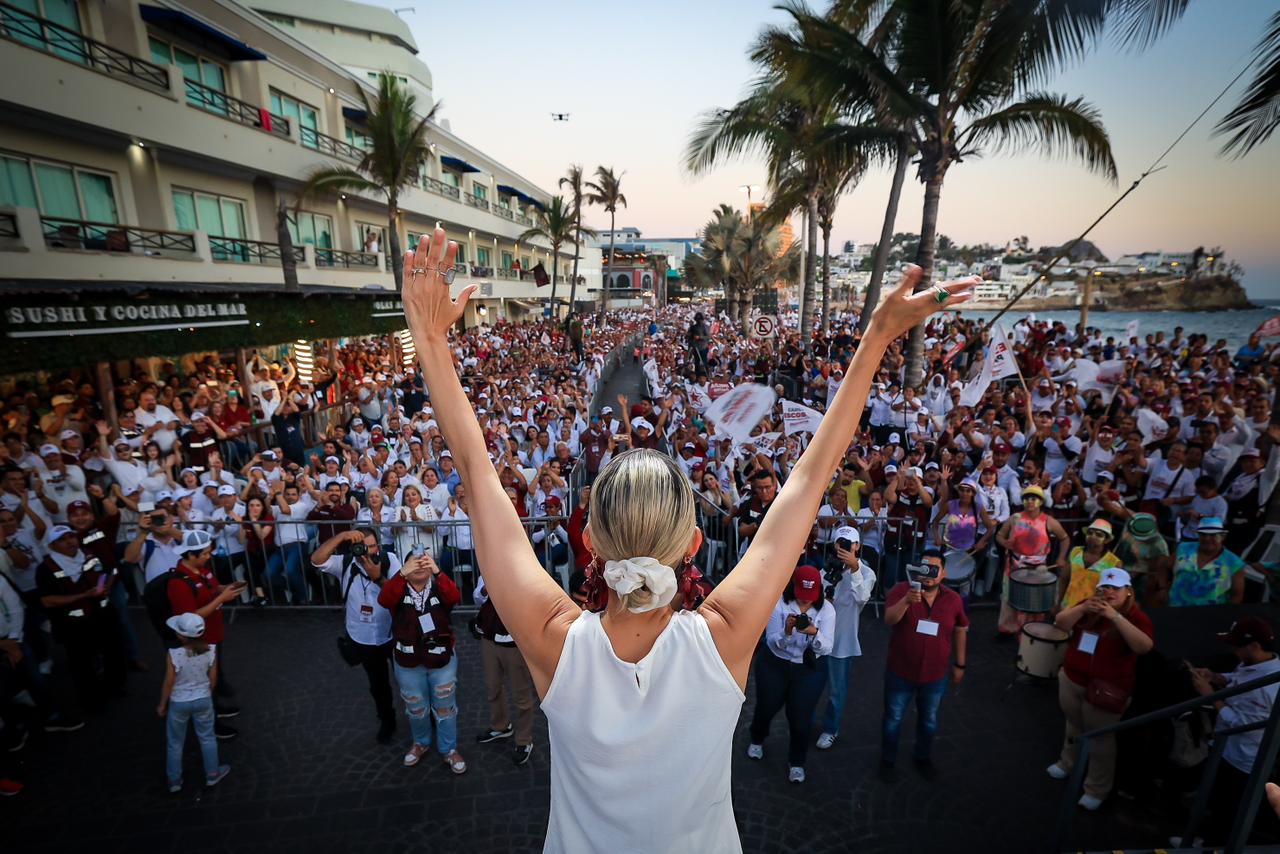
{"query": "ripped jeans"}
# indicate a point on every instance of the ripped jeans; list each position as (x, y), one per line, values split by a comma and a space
(437, 688)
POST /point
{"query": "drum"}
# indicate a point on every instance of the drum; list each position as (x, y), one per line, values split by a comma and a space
(1033, 591)
(1041, 649)
(960, 565)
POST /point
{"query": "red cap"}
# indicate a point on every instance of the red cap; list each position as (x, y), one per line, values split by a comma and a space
(1000, 446)
(806, 584)
(79, 505)
(1246, 630)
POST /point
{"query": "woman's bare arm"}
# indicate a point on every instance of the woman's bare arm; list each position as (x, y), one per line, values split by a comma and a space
(536, 610)
(738, 609)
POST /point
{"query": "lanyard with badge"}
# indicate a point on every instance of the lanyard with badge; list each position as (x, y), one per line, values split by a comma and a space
(923, 627)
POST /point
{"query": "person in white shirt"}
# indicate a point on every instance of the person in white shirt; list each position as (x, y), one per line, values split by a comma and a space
(228, 536)
(377, 513)
(157, 421)
(410, 538)
(849, 595)
(461, 548)
(63, 483)
(433, 491)
(1252, 639)
(1098, 455)
(293, 505)
(155, 548)
(788, 672)
(357, 560)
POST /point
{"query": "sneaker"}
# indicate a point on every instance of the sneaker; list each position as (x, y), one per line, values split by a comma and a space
(826, 740)
(226, 711)
(416, 752)
(223, 731)
(46, 667)
(927, 769)
(59, 722)
(796, 774)
(494, 735)
(217, 776)
(175, 786)
(456, 763)
(1176, 842)
(9, 788)
(755, 751)
(1057, 772)
(1089, 802)
(385, 731)
(888, 772)
(523, 752)
(260, 601)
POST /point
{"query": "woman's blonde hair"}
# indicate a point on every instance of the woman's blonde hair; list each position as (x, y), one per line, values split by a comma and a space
(641, 506)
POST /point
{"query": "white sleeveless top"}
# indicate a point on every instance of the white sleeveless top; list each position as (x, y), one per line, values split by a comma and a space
(641, 753)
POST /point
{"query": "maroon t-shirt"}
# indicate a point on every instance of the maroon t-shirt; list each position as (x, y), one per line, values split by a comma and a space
(1112, 660)
(914, 655)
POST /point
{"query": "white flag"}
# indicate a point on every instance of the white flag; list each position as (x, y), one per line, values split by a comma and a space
(651, 371)
(1130, 331)
(546, 339)
(1104, 377)
(698, 399)
(738, 411)
(1152, 427)
(973, 391)
(1000, 354)
(798, 418)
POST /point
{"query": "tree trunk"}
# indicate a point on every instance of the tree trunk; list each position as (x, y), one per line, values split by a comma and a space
(608, 283)
(745, 303)
(555, 256)
(393, 242)
(1086, 297)
(826, 279)
(288, 263)
(577, 251)
(881, 260)
(810, 272)
(924, 258)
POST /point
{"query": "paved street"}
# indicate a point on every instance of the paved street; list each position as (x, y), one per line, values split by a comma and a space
(308, 776)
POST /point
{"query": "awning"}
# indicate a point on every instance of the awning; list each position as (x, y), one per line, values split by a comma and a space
(530, 200)
(507, 190)
(673, 274)
(355, 114)
(458, 163)
(199, 32)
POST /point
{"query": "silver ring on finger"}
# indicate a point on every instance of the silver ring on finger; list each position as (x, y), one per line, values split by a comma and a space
(940, 294)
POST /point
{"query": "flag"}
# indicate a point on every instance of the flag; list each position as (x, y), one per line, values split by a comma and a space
(651, 371)
(1104, 377)
(973, 391)
(540, 276)
(738, 411)
(1000, 354)
(1131, 330)
(798, 418)
(1152, 427)
(1270, 327)
(954, 351)
(698, 399)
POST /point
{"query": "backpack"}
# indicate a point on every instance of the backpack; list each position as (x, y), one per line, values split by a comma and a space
(155, 596)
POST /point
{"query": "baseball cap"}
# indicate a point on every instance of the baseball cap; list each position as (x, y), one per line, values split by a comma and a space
(890, 469)
(1211, 525)
(69, 434)
(1247, 630)
(895, 439)
(48, 450)
(848, 532)
(269, 455)
(56, 533)
(606, 410)
(188, 625)
(914, 471)
(446, 453)
(1106, 474)
(179, 494)
(1033, 490)
(226, 489)
(332, 457)
(1000, 446)
(1115, 577)
(164, 495)
(806, 583)
(61, 399)
(194, 541)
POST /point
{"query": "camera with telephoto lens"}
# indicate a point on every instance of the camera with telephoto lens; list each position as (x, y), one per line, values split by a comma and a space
(802, 622)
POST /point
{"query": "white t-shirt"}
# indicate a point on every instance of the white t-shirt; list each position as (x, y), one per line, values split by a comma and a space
(163, 415)
(191, 679)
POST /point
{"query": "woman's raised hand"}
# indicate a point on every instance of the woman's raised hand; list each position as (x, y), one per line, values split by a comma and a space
(904, 309)
(427, 274)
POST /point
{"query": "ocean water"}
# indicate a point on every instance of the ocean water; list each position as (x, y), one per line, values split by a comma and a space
(1235, 326)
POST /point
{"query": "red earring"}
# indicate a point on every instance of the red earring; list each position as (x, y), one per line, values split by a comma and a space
(692, 588)
(594, 589)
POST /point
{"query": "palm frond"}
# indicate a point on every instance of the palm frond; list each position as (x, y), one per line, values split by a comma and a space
(337, 180)
(1049, 122)
(1251, 122)
(1139, 23)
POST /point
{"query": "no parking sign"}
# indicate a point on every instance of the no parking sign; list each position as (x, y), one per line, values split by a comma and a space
(764, 326)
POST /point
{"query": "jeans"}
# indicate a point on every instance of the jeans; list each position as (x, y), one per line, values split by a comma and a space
(120, 605)
(200, 713)
(797, 686)
(438, 687)
(837, 691)
(897, 696)
(289, 562)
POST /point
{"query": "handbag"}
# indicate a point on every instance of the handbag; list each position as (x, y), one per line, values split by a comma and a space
(1107, 696)
(349, 650)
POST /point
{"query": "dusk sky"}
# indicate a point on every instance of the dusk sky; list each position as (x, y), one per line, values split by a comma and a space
(635, 76)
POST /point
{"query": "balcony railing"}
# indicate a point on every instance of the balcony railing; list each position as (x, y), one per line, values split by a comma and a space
(21, 26)
(62, 233)
(481, 272)
(525, 221)
(461, 268)
(343, 258)
(505, 213)
(8, 226)
(240, 251)
(507, 274)
(331, 145)
(211, 100)
(440, 188)
(476, 202)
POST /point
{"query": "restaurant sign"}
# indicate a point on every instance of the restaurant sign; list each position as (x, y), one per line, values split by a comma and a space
(46, 321)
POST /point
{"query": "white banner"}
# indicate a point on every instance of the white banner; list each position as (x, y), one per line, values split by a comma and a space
(738, 411)
(651, 371)
(698, 399)
(973, 391)
(1152, 427)
(1103, 377)
(798, 418)
(1130, 331)
(1000, 354)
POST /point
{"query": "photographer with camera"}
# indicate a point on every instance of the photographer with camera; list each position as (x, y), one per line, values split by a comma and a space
(928, 622)
(357, 560)
(788, 672)
(849, 586)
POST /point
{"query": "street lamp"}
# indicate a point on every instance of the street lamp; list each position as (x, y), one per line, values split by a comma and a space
(749, 189)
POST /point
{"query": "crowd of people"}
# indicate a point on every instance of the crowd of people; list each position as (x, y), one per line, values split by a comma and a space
(1142, 492)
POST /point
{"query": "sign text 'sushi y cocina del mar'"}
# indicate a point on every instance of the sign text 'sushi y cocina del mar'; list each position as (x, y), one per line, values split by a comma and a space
(41, 321)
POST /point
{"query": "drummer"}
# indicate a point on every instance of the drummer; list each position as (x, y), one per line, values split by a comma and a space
(1027, 538)
(1095, 685)
(1085, 564)
(962, 517)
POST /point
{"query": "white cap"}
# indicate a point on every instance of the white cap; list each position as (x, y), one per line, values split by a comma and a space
(226, 489)
(604, 409)
(914, 471)
(895, 439)
(179, 494)
(194, 541)
(47, 450)
(188, 625)
(1115, 577)
(69, 434)
(890, 469)
(56, 533)
(446, 453)
(332, 457)
(847, 532)
(164, 495)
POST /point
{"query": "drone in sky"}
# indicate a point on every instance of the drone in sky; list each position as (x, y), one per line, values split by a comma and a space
(559, 117)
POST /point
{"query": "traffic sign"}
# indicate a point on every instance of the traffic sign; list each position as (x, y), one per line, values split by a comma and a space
(764, 326)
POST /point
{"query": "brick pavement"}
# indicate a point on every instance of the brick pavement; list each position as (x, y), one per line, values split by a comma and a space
(308, 776)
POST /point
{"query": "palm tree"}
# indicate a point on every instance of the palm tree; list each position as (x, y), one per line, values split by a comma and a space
(606, 192)
(743, 256)
(659, 265)
(931, 68)
(397, 150)
(557, 225)
(574, 179)
(1257, 116)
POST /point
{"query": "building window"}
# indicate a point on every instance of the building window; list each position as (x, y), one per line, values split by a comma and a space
(305, 116)
(360, 140)
(65, 13)
(525, 263)
(58, 190)
(482, 256)
(195, 69)
(217, 216)
(451, 178)
(311, 228)
(480, 191)
(507, 260)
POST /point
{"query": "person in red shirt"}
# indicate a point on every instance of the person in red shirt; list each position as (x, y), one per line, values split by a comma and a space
(195, 589)
(577, 523)
(1095, 684)
(929, 624)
